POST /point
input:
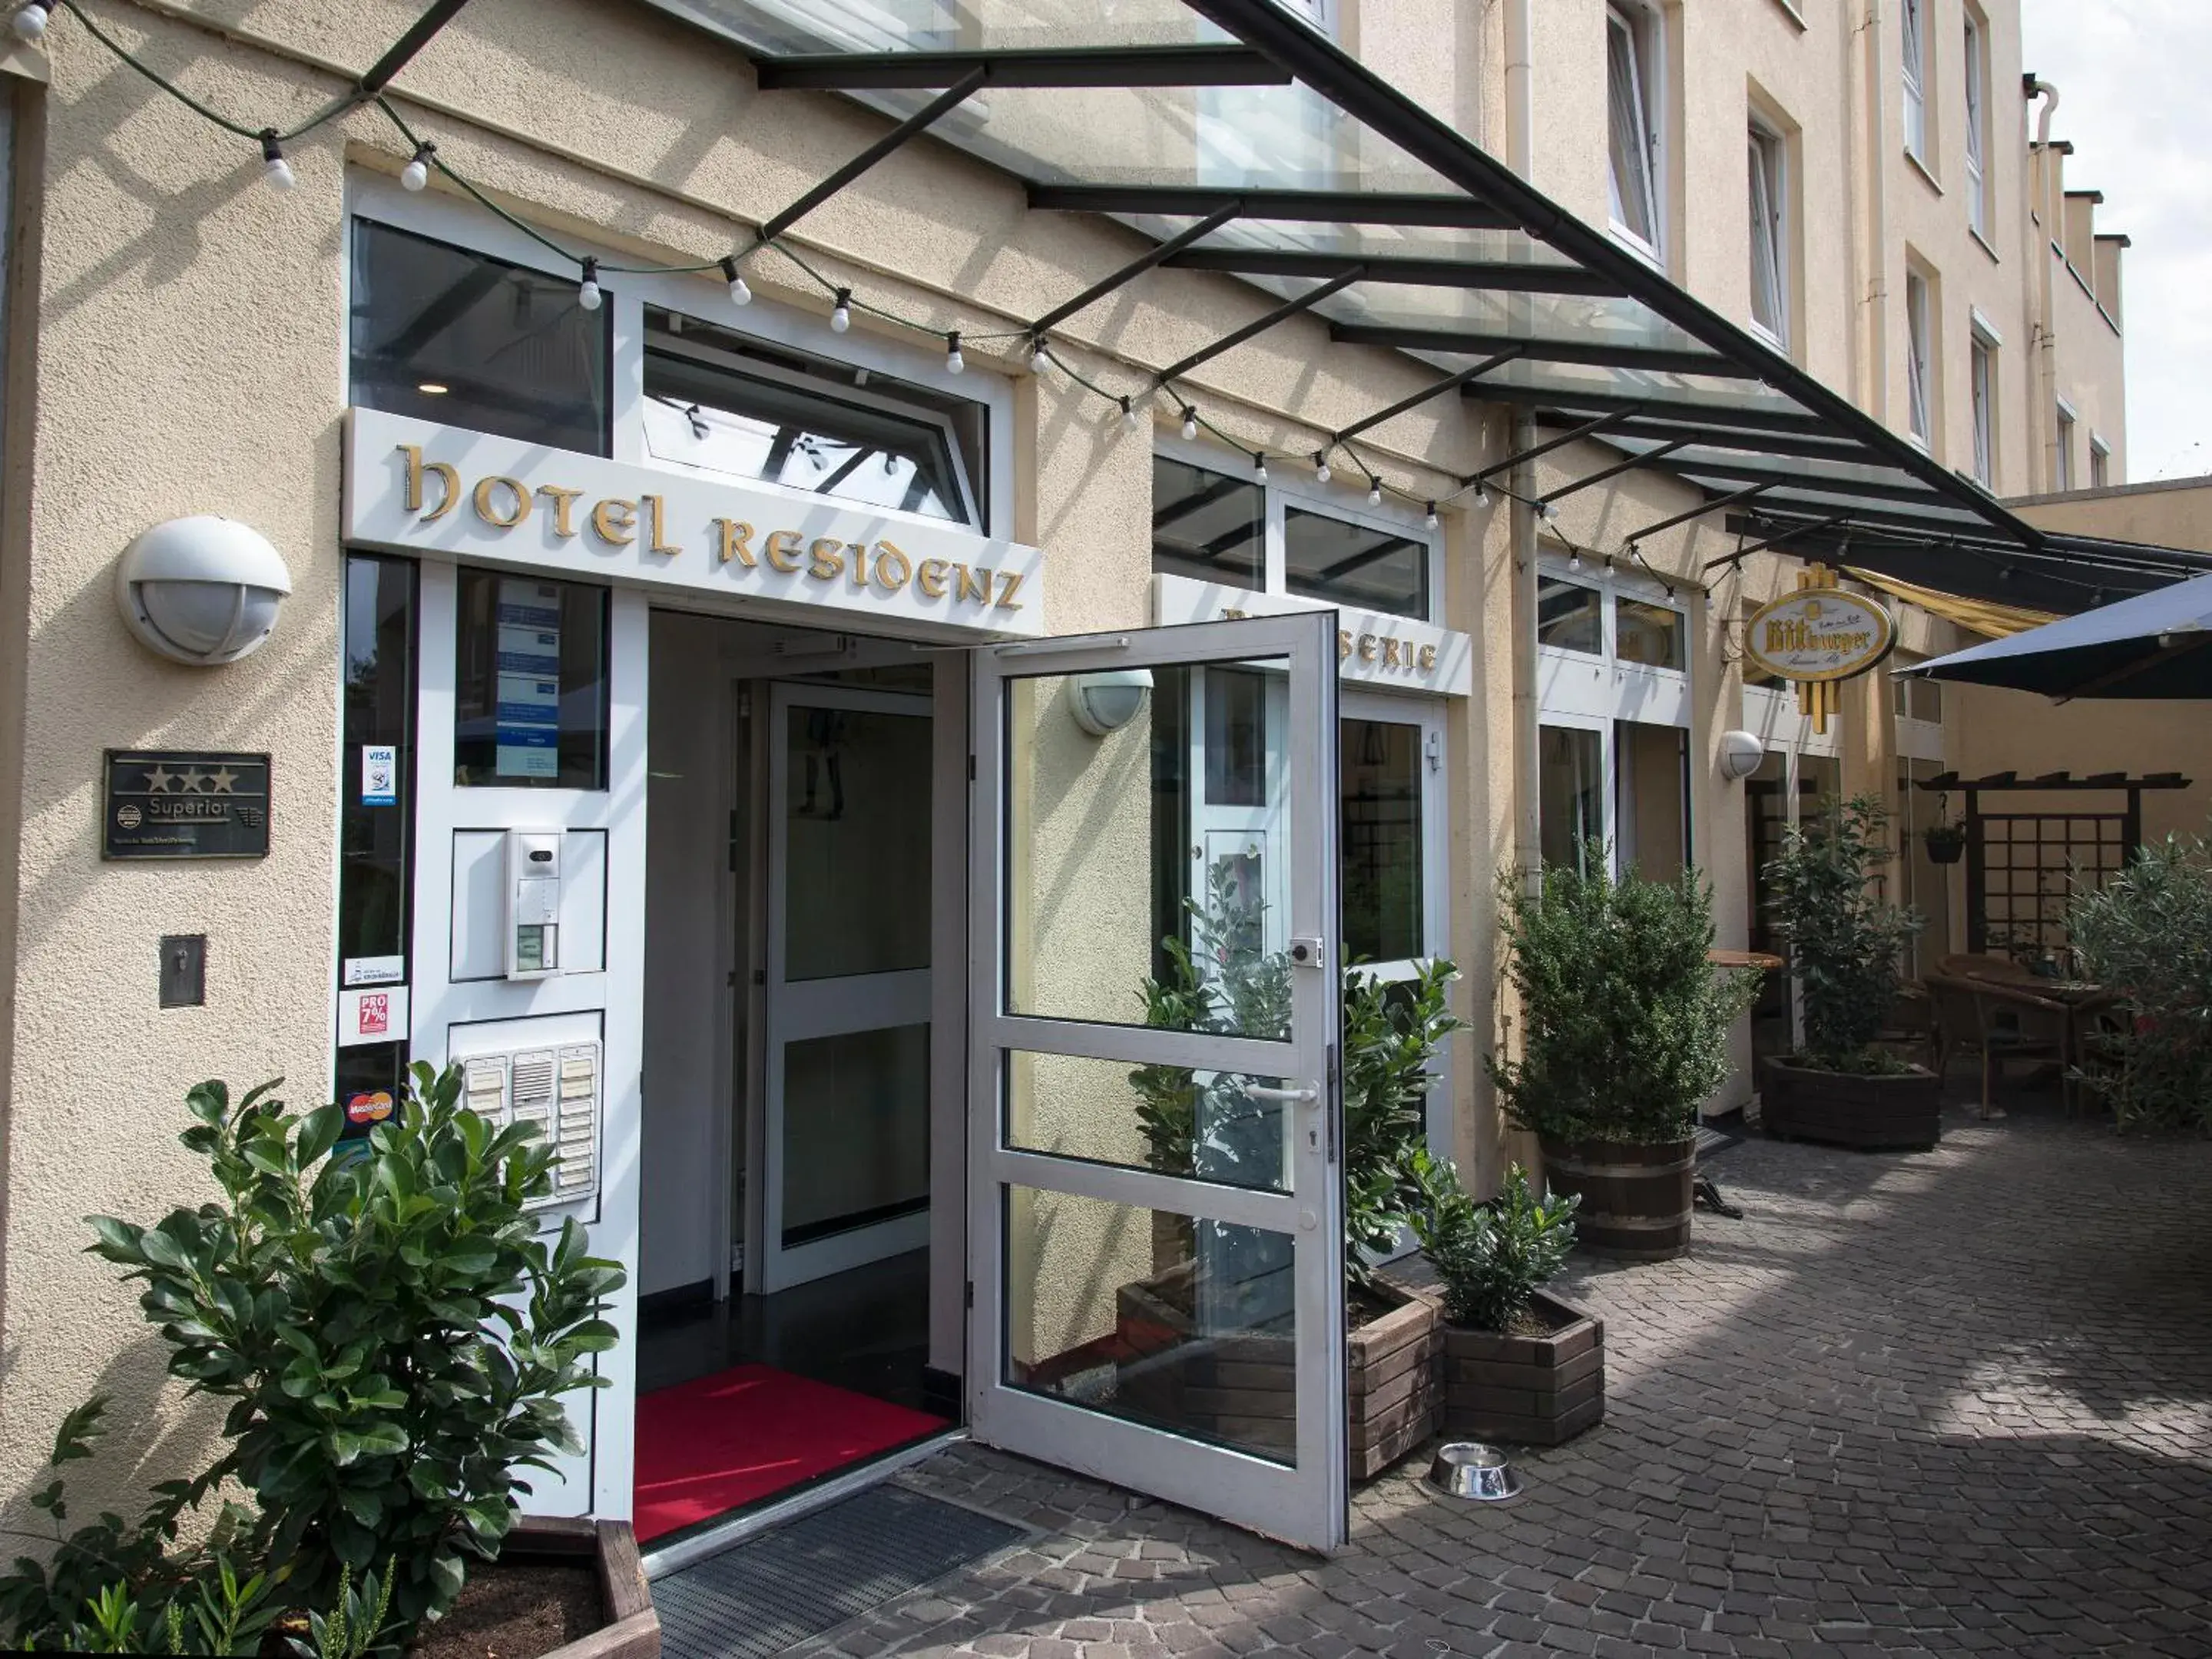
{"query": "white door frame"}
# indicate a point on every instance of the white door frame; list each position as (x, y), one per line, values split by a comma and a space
(797, 1011)
(1307, 1503)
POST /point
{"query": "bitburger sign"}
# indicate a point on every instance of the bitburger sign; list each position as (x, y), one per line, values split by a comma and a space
(1817, 635)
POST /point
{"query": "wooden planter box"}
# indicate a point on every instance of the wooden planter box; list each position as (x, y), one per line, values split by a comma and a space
(1530, 1391)
(1635, 1198)
(1838, 1108)
(1241, 1388)
(633, 1628)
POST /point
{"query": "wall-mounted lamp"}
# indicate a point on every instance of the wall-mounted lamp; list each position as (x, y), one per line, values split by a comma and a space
(1740, 754)
(202, 590)
(1108, 699)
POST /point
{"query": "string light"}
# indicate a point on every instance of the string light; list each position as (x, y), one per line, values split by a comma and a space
(1039, 359)
(1189, 423)
(416, 174)
(30, 21)
(274, 167)
(588, 291)
(1129, 421)
(1375, 492)
(954, 363)
(1575, 559)
(1429, 519)
(1260, 469)
(1481, 494)
(1547, 512)
(740, 295)
(841, 315)
(1322, 474)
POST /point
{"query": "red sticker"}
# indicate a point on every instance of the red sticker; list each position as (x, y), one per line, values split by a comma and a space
(375, 1014)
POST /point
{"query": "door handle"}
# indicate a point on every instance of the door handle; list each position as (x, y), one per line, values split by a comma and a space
(1257, 1091)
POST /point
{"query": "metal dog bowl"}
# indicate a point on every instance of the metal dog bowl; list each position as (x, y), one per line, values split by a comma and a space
(1468, 1468)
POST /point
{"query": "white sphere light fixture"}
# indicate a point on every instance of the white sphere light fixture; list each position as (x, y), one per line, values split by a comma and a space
(416, 174)
(1740, 753)
(588, 291)
(841, 315)
(202, 590)
(1108, 699)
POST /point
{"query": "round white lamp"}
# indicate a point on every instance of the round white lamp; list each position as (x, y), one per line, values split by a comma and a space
(1108, 700)
(1740, 753)
(202, 590)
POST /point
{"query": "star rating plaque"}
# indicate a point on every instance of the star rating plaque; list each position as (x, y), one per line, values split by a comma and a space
(184, 804)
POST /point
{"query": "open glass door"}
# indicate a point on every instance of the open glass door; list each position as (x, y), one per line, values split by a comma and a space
(1155, 1223)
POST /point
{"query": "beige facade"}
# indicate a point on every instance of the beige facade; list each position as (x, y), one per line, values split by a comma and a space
(176, 337)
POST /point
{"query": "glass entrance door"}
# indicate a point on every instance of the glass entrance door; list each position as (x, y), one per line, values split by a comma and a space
(1156, 1233)
(845, 1176)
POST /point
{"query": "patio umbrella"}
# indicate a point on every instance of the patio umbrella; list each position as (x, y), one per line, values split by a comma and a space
(2153, 644)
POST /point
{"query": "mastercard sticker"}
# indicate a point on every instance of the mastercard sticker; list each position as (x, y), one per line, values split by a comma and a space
(371, 1106)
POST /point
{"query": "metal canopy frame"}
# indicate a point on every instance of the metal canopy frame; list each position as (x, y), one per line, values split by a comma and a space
(1342, 197)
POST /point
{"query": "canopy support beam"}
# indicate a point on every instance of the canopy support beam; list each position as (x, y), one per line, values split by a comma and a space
(1230, 64)
(1283, 312)
(1449, 383)
(1619, 467)
(1684, 517)
(378, 76)
(1760, 546)
(1495, 274)
(1297, 206)
(1587, 429)
(942, 105)
(1658, 359)
(1137, 266)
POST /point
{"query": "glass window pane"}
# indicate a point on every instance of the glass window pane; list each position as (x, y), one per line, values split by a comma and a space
(1186, 1324)
(717, 419)
(1650, 633)
(1571, 792)
(1653, 812)
(1208, 526)
(530, 683)
(1352, 565)
(856, 842)
(444, 335)
(1379, 777)
(1567, 617)
(856, 1133)
(375, 895)
(1118, 892)
(1169, 1119)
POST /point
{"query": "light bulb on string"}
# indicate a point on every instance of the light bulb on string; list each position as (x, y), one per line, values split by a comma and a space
(1190, 423)
(1129, 421)
(1429, 519)
(1547, 512)
(274, 167)
(1039, 359)
(1373, 492)
(416, 174)
(588, 291)
(841, 315)
(1322, 474)
(1260, 469)
(29, 21)
(1575, 559)
(954, 363)
(740, 294)
(1481, 494)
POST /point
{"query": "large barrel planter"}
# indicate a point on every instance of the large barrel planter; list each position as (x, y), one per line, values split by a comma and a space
(1636, 1199)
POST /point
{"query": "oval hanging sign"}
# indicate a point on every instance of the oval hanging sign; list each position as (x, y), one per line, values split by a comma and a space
(1818, 634)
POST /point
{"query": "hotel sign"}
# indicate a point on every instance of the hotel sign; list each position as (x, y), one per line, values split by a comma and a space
(1818, 635)
(184, 804)
(415, 487)
(1373, 649)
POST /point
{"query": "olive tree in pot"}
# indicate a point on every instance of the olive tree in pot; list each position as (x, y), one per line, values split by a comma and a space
(1517, 1364)
(1844, 942)
(1623, 1027)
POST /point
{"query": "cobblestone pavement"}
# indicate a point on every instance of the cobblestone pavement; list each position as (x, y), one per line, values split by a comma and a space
(1959, 1401)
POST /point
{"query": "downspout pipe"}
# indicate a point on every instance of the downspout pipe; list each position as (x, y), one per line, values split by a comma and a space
(2042, 231)
(1875, 298)
(1520, 153)
(1520, 100)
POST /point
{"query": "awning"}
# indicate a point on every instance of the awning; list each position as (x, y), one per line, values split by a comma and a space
(1241, 139)
(2154, 645)
(1995, 621)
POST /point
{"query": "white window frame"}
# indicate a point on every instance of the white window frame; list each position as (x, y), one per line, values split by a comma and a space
(1767, 157)
(2062, 471)
(1982, 388)
(2101, 463)
(1919, 361)
(1976, 68)
(464, 226)
(1575, 683)
(1912, 44)
(1642, 27)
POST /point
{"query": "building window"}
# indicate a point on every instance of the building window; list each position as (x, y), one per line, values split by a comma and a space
(1354, 565)
(2101, 463)
(1770, 237)
(1570, 617)
(1912, 15)
(1570, 791)
(1982, 382)
(444, 335)
(2062, 469)
(1208, 528)
(717, 404)
(1977, 68)
(1379, 774)
(1650, 636)
(1919, 362)
(1632, 105)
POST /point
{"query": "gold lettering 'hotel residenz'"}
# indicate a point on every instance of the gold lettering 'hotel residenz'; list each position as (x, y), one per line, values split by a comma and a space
(762, 552)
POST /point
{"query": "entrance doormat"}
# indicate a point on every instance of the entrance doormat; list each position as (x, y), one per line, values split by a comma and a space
(772, 1592)
(722, 1442)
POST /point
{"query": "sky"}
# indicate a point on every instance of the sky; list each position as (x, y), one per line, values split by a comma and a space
(2131, 81)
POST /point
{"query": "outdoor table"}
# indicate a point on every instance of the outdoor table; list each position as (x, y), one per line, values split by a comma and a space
(2076, 1000)
(1765, 959)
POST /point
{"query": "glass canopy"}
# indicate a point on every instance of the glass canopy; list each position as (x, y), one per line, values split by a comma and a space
(1239, 140)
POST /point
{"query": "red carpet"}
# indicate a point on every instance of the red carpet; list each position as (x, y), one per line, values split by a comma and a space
(730, 1439)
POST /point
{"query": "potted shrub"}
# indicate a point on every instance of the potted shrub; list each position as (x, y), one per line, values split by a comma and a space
(1517, 1364)
(1623, 1026)
(394, 1335)
(1844, 941)
(1194, 1123)
(1946, 841)
(2145, 935)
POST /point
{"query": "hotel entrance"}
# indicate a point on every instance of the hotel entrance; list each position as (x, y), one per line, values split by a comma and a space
(792, 905)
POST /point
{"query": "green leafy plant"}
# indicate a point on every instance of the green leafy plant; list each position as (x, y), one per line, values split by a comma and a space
(1624, 1022)
(1494, 1257)
(1845, 941)
(2147, 934)
(394, 1336)
(357, 1618)
(1391, 1034)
